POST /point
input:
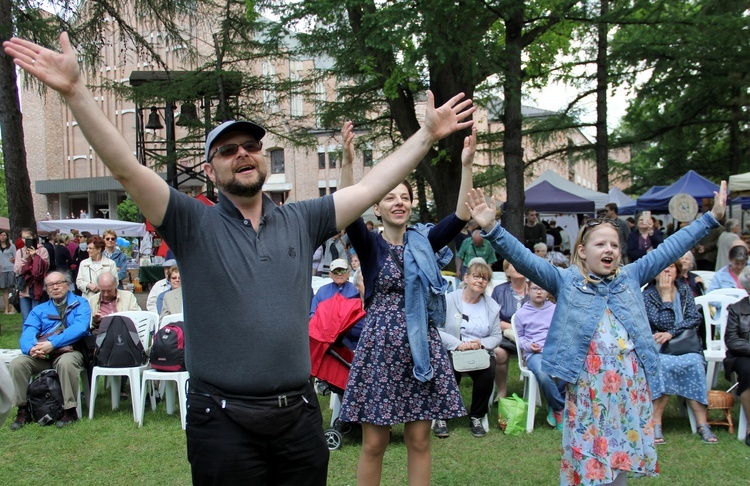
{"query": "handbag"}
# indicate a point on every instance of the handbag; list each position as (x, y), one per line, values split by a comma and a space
(684, 342)
(511, 414)
(470, 360)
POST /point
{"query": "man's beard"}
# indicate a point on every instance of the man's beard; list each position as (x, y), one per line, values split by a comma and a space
(235, 188)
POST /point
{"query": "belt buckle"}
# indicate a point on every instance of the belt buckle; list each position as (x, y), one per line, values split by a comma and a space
(282, 401)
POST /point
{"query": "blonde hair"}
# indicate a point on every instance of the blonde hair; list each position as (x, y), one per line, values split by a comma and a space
(583, 236)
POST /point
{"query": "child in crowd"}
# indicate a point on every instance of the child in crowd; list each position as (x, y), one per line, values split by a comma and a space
(600, 342)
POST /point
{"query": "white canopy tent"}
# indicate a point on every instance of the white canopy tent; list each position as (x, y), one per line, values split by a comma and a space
(95, 226)
(739, 184)
(600, 199)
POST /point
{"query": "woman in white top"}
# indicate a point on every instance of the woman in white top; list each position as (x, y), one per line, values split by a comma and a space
(472, 321)
(93, 266)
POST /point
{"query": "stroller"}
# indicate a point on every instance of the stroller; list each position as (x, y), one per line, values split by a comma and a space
(330, 359)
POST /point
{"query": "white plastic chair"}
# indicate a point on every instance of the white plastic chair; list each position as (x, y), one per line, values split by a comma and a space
(171, 380)
(742, 425)
(530, 386)
(715, 348)
(732, 292)
(705, 275)
(145, 322)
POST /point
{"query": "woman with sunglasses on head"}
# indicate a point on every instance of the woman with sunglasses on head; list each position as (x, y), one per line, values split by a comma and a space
(93, 266)
(600, 342)
(401, 373)
(112, 252)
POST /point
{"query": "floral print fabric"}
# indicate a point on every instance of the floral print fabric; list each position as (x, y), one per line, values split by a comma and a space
(382, 389)
(607, 422)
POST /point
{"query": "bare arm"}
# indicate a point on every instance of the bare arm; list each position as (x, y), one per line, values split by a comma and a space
(347, 158)
(440, 122)
(467, 160)
(60, 72)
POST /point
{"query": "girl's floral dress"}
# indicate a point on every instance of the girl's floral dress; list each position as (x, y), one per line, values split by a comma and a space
(608, 425)
(382, 389)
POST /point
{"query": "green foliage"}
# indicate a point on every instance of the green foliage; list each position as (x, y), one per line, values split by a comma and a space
(692, 110)
(128, 211)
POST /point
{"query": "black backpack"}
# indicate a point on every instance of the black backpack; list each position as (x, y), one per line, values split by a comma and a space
(168, 348)
(45, 398)
(118, 344)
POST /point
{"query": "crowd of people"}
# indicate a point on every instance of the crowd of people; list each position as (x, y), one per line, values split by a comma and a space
(601, 341)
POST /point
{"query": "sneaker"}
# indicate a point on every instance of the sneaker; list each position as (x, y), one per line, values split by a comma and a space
(477, 430)
(23, 417)
(551, 418)
(70, 416)
(558, 419)
(441, 428)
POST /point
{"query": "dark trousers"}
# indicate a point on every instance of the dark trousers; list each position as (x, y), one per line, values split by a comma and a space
(483, 380)
(225, 447)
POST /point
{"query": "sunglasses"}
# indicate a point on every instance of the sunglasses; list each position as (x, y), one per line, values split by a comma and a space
(109, 238)
(596, 222)
(339, 271)
(231, 149)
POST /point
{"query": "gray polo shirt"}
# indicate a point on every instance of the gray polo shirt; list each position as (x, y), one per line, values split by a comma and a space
(247, 294)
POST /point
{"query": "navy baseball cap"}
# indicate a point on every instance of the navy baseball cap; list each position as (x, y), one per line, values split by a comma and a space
(253, 129)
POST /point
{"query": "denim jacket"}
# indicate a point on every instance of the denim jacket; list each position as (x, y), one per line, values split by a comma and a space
(581, 304)
(423, 283)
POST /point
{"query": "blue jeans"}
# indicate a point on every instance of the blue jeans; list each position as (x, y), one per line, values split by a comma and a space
(27, 303)
(553, 391)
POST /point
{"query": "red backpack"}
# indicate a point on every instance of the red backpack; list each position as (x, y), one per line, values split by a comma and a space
(168, 349)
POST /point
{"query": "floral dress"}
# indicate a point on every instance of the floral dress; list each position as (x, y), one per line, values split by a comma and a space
(382, 389)
(608, 425)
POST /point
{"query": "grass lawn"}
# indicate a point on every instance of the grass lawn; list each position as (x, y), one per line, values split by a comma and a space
(111, 449)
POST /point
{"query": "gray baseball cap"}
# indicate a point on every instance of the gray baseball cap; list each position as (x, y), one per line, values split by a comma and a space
(253, 129)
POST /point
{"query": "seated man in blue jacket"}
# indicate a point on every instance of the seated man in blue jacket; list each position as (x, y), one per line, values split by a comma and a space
(339, 273)
(48, 335)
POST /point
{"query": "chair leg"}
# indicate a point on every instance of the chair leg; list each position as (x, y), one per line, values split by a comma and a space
(691, 417)
(710, 370)
(114, 390)
(92, 395)
(169, 391)
(182, 394)
(135, 391)
(142, 402)
(335, 407)
(533, 394)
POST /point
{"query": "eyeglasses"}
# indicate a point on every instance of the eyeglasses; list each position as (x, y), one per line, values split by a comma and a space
(538, 290)
(339, 271)
(109, 238)
(476, 276)
(597, 221)
(230, 149)
(52, 285)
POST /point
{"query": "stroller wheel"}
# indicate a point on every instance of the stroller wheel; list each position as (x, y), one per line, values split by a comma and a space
(334, 439)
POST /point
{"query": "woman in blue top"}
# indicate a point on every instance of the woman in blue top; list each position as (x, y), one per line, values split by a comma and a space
(401, 373)
(600, 341)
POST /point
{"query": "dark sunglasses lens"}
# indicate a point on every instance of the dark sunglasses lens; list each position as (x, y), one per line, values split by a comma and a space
(251, 146)
(228, 150)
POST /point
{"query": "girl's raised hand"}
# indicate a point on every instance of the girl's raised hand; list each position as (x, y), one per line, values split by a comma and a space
(482, 212)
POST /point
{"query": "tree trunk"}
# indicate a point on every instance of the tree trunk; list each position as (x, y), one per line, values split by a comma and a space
(512, 136)
(602, 137)
(17, 182)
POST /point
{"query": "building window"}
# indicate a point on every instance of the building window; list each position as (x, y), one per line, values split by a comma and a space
(332, 157)
(295, 77)
(332, 189)
(277, 161)
(321, 160)
(321, 191)
(367, 157)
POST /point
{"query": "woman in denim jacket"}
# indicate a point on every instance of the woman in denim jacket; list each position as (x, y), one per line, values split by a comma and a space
(400, 372)
(600, 342)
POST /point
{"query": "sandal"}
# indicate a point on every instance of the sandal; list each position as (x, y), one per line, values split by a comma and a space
(704, 431)
(658, 435)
